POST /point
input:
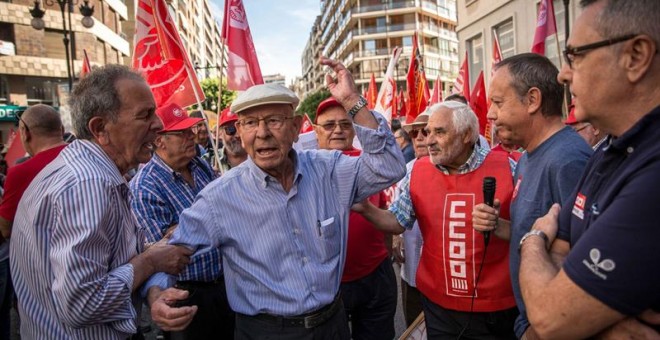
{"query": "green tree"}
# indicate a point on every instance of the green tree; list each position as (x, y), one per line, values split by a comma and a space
(210, 88)
(312, 101)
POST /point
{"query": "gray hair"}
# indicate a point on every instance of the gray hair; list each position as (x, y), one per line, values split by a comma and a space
(621, 17)
(97, 95)
(532, 70)
(463, 118)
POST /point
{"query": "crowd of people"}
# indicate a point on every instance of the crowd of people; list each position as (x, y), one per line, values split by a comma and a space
(548, 234)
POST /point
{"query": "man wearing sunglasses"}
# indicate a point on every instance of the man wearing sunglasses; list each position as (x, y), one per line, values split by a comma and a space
(162, 189)
(280, 219)
(232, 153)
(368, 283)
(41, 130)
(611, 274)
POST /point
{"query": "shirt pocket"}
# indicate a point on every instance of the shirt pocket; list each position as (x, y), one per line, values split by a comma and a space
(330, 236)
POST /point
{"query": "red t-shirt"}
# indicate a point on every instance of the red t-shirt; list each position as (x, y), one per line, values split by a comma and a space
(19, 178)
(366, 245)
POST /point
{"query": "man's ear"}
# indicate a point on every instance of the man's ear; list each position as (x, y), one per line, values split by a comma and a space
(467, 137)
(97, 127)
(534, 97)
(638, 57)
(297, 123)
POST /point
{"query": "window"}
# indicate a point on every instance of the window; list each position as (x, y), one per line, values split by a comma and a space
(475, 47)
(40, 90)
(407, 41)
(506, 38)
(4, 90)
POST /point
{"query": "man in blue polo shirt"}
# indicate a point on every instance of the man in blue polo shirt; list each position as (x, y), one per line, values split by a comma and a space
(161, 190)
(611, 276)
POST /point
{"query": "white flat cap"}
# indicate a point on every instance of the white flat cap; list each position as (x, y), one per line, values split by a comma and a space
(258, 95)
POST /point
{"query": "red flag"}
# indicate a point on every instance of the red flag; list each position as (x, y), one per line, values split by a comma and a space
(243, 69)
(497, 53)
(15, 148)
(545, 26)
(403, 104)
(160, 56)
(307, 125)
(372, 93)
(437, 92)
(478, 103)
(416, 81)
(386, 101)
(462, 82)
(394, 109)
(86, 66)
(427, 91)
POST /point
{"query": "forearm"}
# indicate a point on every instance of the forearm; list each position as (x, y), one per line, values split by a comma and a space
(503, 229)
(382, 220)
(536, 272)
(143, 268)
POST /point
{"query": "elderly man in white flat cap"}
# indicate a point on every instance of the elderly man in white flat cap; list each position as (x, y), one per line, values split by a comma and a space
(280, 218)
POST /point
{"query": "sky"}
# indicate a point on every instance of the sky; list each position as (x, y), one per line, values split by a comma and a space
(280, 29)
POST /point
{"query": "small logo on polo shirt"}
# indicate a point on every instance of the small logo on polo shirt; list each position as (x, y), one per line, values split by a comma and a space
(515, 189)
(578, 207)
(597, 266)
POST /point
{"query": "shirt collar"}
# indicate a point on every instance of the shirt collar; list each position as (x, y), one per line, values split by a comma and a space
(102, 158)
(473, 162)
(164, 168)
(264, 178)
(630, 138)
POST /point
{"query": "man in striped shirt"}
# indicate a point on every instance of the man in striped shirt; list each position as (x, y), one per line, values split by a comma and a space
(76, 251)
(280, 219)
(161, 190)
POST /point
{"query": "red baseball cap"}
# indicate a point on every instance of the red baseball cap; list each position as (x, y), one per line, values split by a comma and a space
(226, 116)
(570, 120)
(175, 118)
(324, 105)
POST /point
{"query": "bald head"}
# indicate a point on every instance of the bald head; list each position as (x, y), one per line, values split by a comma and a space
(43, 120)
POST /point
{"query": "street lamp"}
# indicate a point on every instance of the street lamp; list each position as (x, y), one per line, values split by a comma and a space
(65, 5)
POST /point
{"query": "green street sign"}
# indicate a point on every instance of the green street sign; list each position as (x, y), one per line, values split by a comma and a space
(8, 112)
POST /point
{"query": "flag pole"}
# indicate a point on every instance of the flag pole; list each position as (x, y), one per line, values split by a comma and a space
(217, 125)
(560, 63)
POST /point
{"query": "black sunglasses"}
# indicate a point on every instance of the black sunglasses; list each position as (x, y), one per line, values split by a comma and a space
(571, 52)
(415, 132)
(230, 129)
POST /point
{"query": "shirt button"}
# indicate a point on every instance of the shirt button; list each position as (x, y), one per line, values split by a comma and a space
(313, 288)
(296, 231)
(630, 149)
(305, 259)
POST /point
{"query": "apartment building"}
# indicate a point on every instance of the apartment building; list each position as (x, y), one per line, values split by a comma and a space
(513, 22)
(362, 34)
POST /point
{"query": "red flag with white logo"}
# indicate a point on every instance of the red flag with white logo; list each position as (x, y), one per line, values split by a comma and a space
(545, 26)
(462, 82)
(160, 56)
(243, 69)
(306, 125)
(497, 53)
(372, 93)
(86, 66)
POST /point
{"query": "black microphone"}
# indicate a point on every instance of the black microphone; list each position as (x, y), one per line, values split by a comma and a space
(489, 197)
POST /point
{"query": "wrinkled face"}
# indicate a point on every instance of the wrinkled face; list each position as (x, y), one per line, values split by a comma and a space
(508, 111)
(202, 135)
(129, 140)
(594, 90)
(267, 133)
(334, 129)
(446, 147)
(177, 147)
(230, 138)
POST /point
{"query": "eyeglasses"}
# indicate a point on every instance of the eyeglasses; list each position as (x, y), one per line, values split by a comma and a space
(19, 119)
(571, 52)
(415, 132)
(330, 125)
(272, 122)
(190, 132)
(230, 129)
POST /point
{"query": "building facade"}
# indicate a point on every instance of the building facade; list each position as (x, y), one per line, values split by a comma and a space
(362, 34)
(513, 22)
(32, 62)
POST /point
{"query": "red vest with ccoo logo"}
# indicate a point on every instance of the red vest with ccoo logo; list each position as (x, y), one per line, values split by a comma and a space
(453, 250)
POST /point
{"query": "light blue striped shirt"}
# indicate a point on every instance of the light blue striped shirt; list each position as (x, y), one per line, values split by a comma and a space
(283, 253)
(72, 238)
(159, 197)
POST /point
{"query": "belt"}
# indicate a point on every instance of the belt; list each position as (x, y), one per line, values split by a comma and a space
(310, 320)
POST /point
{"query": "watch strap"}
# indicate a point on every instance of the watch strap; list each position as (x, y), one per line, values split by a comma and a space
(534, 232)
(362, 102)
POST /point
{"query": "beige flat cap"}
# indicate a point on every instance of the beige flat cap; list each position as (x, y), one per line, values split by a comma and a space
(420, 121)
(258, 95)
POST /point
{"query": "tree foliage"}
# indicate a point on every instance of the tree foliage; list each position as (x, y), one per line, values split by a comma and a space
(312, 101)
(210, 88)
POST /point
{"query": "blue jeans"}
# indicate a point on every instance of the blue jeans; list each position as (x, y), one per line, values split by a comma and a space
(6, 297)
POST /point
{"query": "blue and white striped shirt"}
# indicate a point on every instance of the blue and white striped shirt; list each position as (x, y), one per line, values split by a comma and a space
(283, 253)
(72, 238)
(159, 197)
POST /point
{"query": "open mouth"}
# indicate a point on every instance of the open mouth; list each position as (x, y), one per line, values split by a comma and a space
(266, 152)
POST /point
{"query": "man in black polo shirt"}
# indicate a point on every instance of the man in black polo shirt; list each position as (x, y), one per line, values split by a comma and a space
(610, 279)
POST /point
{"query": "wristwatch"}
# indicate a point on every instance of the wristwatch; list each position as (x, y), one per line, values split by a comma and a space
(534, 232)
(362, 102)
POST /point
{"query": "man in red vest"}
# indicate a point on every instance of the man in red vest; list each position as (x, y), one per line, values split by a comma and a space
(368, 283)
(464, 281)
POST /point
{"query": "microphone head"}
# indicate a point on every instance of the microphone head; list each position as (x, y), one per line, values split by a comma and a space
(489, 184)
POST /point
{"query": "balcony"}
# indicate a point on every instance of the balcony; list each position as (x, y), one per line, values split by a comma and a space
(379, 52)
